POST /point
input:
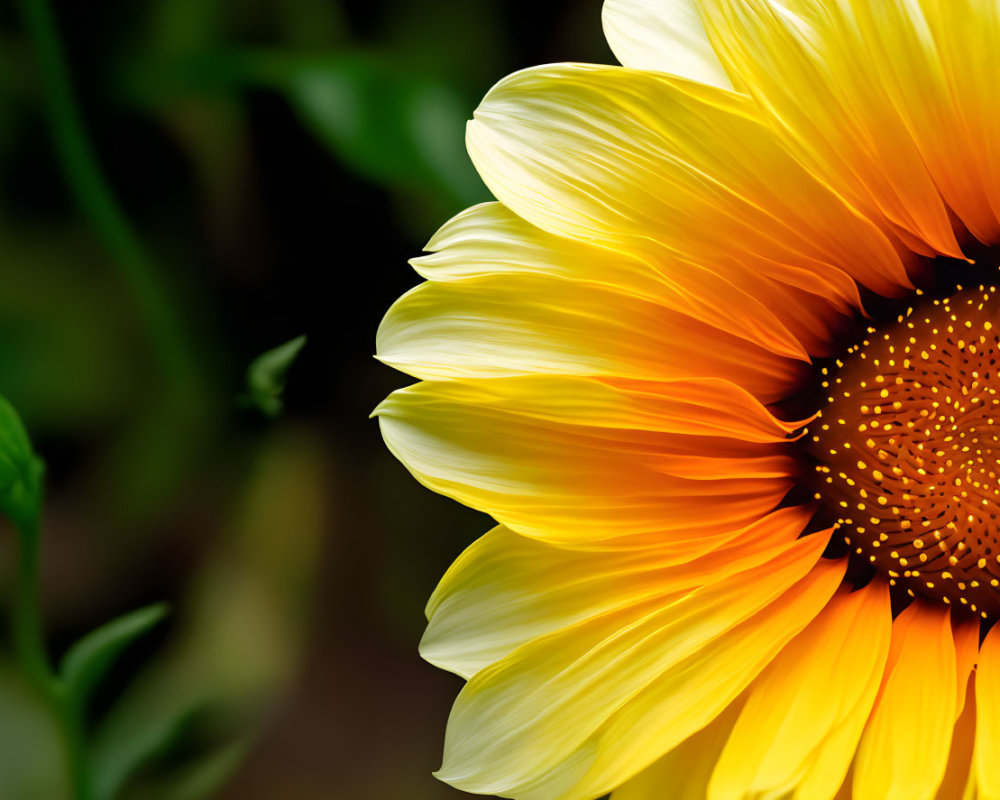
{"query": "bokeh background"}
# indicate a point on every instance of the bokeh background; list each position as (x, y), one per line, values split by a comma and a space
(281, 160)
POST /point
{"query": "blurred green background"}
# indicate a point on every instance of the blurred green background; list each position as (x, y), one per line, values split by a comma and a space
(280, 160)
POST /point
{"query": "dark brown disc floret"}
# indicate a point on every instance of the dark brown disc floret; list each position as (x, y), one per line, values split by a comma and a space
(908, 451)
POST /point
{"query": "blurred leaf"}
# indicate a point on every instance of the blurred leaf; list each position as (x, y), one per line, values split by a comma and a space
(266, 376)
(390, 125)
(65, 333)
(161, 447)
(395, 123)
(310, 23)
(208, 777)
(239, 636)
(178, 26)
(198, 780)
(114, 760)
(89, 659)
(20, 469)
(32, 756)
(476, 33)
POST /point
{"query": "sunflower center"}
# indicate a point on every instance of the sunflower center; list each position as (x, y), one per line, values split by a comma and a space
(908, 447)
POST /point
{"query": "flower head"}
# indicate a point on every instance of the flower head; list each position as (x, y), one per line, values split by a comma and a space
(723, 362)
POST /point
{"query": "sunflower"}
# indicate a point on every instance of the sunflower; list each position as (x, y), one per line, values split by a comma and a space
(723, 363)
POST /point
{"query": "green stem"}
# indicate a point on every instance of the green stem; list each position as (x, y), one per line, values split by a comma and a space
(99, 204)
(76, 746)
(29, 648)
(29, 644)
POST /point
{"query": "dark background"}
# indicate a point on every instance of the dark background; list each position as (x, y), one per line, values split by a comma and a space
(281, 161)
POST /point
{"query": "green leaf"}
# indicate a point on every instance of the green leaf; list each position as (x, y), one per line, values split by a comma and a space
(87, 661)
(138, 738)
(20, 469)
(266, 376)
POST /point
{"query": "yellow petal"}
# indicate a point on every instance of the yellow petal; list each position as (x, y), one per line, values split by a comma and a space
(825, 679)
(959, 781)
(584, 471)
(576, 713)
(489, 239)
(706, 407)
(988, 717)
(685, 699)
(683, 175)
(506, 325)
(965, 33)
(904, 751)
(861, 95)
(507, 589)
(665, 36)
(684, 772)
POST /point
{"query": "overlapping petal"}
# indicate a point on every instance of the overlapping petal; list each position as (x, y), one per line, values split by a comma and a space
(504, 326)
(959, 782)
(569, 459)
(684, 772)
(490, 240)
(663, 36)
(987, 765)
(803, 717)
(905, 747)
(965, 33)
(577, 712)
(596, 350)
(506, 589)
(885, 101)
(683, 175)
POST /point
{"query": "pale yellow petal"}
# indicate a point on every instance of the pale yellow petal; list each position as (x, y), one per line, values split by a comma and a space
(685, 176)
(566, 713)
(705, 407)
(507, 589)
(505, 325)
(489, 239)
(663, 36)
(904, 751)
(825, 679)
(584, 471)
